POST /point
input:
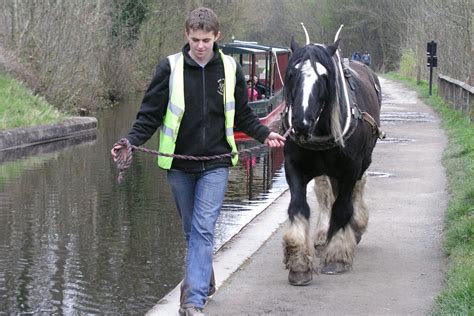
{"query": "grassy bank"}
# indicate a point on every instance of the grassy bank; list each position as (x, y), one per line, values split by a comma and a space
(19, 108)
(457, 297)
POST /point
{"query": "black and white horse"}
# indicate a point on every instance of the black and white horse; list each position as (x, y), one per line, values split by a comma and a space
(333, 112)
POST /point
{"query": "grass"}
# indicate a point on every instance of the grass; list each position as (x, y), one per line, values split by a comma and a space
(20, 108)
(457, 296)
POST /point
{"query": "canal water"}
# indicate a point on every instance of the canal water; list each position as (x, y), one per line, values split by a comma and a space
(73, 240)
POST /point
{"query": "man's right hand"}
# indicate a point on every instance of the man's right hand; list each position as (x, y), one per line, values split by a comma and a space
(114, 151)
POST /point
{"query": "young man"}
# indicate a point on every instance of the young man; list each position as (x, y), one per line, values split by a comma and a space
(196, 97)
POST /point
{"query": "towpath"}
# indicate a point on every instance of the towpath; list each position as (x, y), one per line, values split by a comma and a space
(399, 265)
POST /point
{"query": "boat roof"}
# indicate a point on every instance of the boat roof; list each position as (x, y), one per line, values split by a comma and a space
(242, 47)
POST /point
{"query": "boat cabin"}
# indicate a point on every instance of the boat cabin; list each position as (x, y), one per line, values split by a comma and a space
(264, 68)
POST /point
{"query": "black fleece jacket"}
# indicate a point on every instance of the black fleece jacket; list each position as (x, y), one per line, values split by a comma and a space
(202, 129)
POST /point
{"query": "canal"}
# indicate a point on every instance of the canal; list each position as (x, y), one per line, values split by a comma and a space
(73, 240)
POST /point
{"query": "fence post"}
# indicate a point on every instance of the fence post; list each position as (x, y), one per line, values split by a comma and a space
(470, 100)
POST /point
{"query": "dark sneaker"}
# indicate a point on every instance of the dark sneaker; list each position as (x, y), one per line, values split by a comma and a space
(190, 311)
(212, 290)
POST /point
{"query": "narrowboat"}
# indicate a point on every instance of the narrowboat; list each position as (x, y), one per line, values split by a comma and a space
(264, 68)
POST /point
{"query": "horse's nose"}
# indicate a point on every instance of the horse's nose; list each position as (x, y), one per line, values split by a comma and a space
(300, 128)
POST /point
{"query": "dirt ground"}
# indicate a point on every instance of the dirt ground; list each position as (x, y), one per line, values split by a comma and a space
(399, 265)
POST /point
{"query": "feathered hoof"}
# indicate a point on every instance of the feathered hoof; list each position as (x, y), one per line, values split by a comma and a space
(300, 278)
(335, 268)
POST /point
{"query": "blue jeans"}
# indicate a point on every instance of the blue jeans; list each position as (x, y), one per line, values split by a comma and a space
(199, 198)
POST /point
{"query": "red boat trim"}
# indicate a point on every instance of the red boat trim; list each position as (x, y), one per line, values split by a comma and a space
(268, 120)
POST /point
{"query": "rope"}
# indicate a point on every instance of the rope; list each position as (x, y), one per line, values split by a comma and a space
(123, 157)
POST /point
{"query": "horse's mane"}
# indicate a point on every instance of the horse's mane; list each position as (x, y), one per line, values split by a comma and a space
(318, 53)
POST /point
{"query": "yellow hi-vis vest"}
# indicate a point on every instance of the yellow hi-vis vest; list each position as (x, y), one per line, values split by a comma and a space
(176, 106)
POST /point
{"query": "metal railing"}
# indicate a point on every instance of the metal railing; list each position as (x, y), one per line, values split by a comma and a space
(459, 95)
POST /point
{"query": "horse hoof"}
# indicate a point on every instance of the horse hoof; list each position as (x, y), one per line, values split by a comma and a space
(335, 268)
(300, 278)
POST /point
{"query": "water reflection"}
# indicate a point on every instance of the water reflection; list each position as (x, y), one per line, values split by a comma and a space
(74, 241)
(254, 183)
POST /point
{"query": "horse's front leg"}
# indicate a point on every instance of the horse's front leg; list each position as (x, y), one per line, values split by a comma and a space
(299, 255)
(339, 252)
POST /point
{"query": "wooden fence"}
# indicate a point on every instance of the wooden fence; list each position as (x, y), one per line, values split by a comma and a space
(458, 95)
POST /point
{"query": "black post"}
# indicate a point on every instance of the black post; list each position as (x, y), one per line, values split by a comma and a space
(432, 60)
(431, 76)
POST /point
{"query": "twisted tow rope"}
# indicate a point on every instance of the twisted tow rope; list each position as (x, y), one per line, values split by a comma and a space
(124, 156)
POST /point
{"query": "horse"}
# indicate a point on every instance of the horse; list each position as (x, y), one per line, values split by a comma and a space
(333, 117)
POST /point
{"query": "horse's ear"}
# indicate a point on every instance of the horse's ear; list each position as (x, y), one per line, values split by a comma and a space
(293, 45)
(333, 47)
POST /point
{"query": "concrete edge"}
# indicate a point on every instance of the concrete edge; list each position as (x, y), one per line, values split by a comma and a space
(29, 136)
(233, 254)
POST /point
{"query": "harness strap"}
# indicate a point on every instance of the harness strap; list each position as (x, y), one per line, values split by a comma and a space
(345, 93)
(358, 114)
(349, 78)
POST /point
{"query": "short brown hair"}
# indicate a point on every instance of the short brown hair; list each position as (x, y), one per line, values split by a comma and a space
(202, 19)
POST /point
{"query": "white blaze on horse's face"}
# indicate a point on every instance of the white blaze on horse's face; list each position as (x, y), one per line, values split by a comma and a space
(310, 77)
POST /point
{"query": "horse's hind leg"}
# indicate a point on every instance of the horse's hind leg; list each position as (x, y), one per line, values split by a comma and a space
(360, 219)
(325, 194)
